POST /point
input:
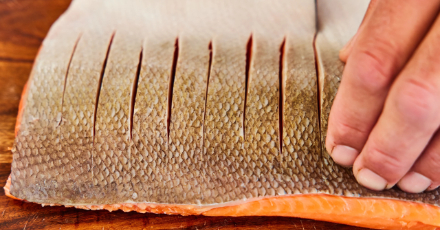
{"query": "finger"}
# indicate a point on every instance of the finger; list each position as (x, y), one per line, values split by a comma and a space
(425, 174)
(410, 118)
(387, 41)
(345, 51)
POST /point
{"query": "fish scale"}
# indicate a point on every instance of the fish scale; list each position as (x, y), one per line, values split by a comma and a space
(340, 180)
(301, 153)
(261, 121)
(112, 129)
(41, 136)
(223, 132)
(224, 146)
(150, 138)
(79, 104)
(187, 115)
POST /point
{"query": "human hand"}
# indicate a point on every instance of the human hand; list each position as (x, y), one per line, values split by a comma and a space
(385, 118)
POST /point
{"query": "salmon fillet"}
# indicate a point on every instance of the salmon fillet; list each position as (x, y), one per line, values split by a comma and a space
(197, 107)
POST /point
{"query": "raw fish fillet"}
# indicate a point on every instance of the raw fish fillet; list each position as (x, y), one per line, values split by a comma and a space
(197, 107)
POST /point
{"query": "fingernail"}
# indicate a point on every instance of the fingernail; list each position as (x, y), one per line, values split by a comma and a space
(371, 180)
(414, 182)
(344, 155)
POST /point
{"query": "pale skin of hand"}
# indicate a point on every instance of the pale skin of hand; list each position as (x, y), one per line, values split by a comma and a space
(386, 115)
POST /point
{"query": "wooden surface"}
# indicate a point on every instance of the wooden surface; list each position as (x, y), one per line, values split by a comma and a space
(23, 26)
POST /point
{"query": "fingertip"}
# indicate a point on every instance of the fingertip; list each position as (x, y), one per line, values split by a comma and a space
(371, 180)
(414, 182)
(344, 155)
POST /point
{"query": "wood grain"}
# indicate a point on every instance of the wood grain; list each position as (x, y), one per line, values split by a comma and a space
(23, 26)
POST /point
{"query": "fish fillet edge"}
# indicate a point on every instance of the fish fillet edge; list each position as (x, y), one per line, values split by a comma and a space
(363, 212)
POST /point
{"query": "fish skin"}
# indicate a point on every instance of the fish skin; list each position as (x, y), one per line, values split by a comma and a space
(333, 34)
(150, 138)
(187, 119)
(329, 41)
(262, 114)
(37, 139)
(301, 150)
(363, 212)
(224, 117)
(112, 168)
(57, 161)
(77, 124)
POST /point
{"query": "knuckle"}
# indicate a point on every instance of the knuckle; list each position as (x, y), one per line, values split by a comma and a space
(383, 49)
(347, 132)
(377, 64)
(347, 129)
(417, 100)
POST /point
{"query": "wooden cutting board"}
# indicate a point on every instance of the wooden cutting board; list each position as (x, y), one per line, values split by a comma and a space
(23, 26)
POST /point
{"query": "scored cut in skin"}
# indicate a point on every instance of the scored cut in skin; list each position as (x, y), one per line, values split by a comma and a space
(112, 156)
(334, 32)
(262, 102)
(223, 134)
(78, 118)
(186, 124)
(150, 137)
(37, 140)
(220, 156)
(301, 133)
